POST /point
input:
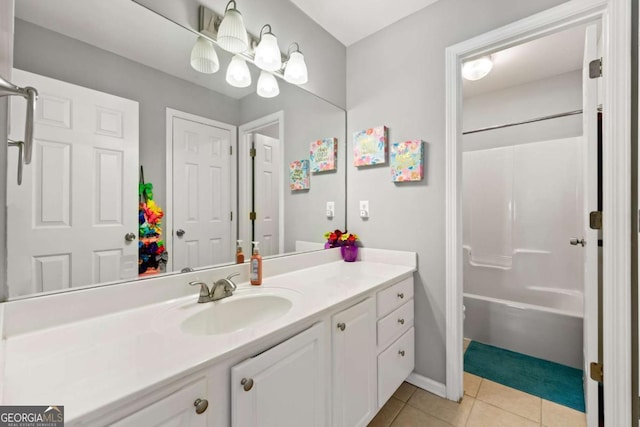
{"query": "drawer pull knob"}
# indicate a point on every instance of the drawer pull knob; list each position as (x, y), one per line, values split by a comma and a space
(342, 326)
(400, 295)
(201, 405)
(247, 383)
(401, 353)
(401, 321)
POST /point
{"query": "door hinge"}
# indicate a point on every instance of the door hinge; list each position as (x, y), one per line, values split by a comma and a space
(595, 68)
(595, 220)
(596, 371)
(231, 150)
(231, 215)
(252, 152)
(252, 216)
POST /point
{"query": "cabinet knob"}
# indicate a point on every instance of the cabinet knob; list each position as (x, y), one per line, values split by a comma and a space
(401, 353)
(401, 321)
(201, 405)
(342, 326)
(247, 384)
(400, 295)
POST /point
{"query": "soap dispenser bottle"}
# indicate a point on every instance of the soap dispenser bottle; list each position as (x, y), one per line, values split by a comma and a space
(239, 254)
(256, 266)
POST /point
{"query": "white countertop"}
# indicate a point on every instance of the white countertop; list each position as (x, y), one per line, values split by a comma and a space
(89, 364)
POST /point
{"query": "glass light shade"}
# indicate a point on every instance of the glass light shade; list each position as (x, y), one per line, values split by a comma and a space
(204, 57)
(238, 74)
(267, 85)
(296, 70)
(232, 35)
(267, 55)
(477, 69)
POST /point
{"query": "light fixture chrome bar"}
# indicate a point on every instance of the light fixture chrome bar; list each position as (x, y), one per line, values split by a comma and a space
(538, 119)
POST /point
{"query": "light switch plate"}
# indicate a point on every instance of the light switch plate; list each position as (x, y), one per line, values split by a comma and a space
(331, 209)
(364, 209)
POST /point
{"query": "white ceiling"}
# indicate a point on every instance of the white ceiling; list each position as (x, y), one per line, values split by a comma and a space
(352, 20)
(549, 56)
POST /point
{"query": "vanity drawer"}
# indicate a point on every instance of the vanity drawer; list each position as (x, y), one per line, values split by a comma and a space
(394, 296)
(394, 366)
(395, 324)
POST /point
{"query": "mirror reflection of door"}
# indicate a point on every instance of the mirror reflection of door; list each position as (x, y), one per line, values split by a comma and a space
(203, 223)
(267, 173)
(68, 220)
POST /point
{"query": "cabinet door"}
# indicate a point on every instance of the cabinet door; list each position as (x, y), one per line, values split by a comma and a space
(354, 365)
(175, 410)
(283, 386)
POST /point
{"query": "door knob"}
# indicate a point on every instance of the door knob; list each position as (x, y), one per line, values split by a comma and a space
(201, 405)
(180, 232)
(576, 242)
(129, 237)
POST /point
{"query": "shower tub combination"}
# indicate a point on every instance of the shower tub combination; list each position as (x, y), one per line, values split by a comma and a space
(523, 282)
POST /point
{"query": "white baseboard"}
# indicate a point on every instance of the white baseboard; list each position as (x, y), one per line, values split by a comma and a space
(428, 384)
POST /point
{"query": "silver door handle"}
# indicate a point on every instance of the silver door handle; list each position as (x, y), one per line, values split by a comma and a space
(129, 237)
(576, 242)
(180, 232)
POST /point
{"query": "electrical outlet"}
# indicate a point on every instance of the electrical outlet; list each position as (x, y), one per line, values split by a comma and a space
(364, 209)
(331, 209)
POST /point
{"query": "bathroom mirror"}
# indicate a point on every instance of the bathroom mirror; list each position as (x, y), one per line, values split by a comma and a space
(119, 93)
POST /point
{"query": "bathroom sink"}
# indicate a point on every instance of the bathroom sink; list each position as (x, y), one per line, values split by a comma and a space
(235, 313)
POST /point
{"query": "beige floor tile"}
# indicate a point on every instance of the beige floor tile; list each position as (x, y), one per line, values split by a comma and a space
(412, 417)
(387, 413)
(554, 415)
(510, 399)
(465, 343)
(452, 412)
(471, 384)
(405, 391)
(485, 415)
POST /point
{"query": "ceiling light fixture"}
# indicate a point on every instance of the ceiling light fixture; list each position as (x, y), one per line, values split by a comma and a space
(267, 55)
(296, 69)
(204, 57)
(267, 85)
(232, 35)
(238, 74)
(477, 69)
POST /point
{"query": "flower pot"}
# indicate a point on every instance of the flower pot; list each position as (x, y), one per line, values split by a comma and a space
(349, 253)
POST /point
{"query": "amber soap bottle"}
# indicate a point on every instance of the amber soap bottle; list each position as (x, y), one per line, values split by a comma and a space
(239, 254)
(256, 266)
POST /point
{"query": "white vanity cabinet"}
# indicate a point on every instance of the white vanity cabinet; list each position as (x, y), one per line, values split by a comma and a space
(353, 346)
(284, 386)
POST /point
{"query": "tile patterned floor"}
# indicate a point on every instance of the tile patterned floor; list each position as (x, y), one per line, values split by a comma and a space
(485, 404)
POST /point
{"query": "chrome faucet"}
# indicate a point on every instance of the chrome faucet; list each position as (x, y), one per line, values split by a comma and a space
(222, 288)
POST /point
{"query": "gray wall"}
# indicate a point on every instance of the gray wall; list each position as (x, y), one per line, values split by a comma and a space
(557, 94)
(396, 77)
(45, 52)
(307, 118)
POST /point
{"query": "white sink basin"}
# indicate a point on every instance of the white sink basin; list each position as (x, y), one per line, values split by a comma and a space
(235, 313)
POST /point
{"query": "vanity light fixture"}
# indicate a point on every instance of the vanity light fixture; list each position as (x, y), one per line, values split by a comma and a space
(296, 69)
(238, 74)
(204, 57)
(477, 68)
(267, 85)
(232, 34)
(267, 55)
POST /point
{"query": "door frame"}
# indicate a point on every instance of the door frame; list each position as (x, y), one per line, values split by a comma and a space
(244, 173)
(615, 17)
(233, 179)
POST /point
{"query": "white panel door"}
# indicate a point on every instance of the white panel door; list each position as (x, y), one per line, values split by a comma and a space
(284, 386)
(201, 195)
(590, 250)
(268, 179)
(354, 365)
(67, 222)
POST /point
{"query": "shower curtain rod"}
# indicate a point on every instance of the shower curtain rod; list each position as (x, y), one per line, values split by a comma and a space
(539, 119)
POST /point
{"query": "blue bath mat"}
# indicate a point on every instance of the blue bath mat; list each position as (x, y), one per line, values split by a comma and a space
(551, 381)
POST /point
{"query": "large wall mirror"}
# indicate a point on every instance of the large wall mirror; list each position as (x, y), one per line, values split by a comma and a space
(117, 92)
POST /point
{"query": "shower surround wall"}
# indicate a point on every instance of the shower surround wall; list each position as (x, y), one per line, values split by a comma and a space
(523, 282)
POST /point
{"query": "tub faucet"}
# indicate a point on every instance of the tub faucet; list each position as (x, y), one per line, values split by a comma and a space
(222, 288)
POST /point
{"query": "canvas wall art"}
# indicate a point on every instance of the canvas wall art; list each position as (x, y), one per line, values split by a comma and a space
(407, 161)
(323, 156)
(299, 175)
(370, 146)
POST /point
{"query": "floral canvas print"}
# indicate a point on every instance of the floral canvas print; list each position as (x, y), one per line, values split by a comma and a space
(370, 146)
(407, 161)
(299, 175)
(324, 153)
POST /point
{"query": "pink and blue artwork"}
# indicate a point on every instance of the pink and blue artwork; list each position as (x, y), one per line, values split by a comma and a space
(323, 155)
(299, 175)
(407, 161)
(370, 146)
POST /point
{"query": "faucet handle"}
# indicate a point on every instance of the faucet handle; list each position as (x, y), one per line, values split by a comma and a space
(204, 291)
(232, 275)
(233, 285)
